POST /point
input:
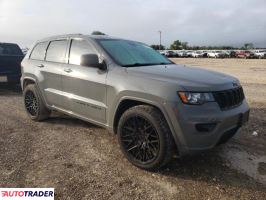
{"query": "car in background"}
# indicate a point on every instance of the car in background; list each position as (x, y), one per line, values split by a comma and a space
(226, 53)
(189, 54)
(230, 53)
(182, 54)
(170, 54)
(245, 54)
(162, 52)
(10, 59)
(204, 54)
(216, 54)
(24, 50)
(197, 54)
(260, 53)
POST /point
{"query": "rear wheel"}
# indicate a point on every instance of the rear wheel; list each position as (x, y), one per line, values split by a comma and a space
(34, 104)
(145, 138)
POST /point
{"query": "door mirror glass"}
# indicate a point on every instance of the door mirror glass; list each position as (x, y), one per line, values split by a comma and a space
(92, 60)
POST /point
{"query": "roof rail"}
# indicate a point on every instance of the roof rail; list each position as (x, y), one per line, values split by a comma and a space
(66, 35)
(59, 36)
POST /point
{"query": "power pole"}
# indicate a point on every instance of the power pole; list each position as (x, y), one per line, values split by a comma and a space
(160, 33)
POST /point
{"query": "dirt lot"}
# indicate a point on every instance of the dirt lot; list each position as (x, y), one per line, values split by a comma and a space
(82, 161)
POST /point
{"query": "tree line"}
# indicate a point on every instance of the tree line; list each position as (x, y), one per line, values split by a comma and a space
(178, 45)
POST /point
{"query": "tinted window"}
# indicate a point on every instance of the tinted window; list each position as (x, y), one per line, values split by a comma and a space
(129, 53)
(79, 48)
(56, 51)
(10, 49)
(39, 50)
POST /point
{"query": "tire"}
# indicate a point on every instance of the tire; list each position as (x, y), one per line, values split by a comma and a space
(34, 104)
(145, 138)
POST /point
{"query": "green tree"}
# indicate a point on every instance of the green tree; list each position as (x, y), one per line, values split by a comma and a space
(157, 47)
(184, 45)
(176, 45)
(248, 46)
(98, 33)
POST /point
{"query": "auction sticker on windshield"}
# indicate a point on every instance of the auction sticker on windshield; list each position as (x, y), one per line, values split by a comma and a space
(27, 193)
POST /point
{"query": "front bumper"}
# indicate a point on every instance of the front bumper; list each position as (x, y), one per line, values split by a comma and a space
(199, 128)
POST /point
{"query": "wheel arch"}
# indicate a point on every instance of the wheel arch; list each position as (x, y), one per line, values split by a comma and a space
(128, 102)
(27, 81)
(31, 80)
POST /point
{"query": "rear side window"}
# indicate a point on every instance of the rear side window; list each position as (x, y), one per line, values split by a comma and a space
(57, 51)
(10, 49)
(39, 51)
(79, 48)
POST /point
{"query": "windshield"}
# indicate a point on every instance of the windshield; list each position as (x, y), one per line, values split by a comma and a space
(129, 54)
(10, 49)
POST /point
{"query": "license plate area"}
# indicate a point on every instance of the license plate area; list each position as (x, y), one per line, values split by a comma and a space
(3, 79)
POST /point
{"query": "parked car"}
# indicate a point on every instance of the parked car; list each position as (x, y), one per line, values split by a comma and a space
(162, 52)
(204, 54)
(245, 54)
(182, 54)
(155, 107)
(10, 59)
(170, 54)
(189, 54)
(24, 50)
(215, 54)
(230, 53)
(226, 53)
(197, 54)
(260, 53)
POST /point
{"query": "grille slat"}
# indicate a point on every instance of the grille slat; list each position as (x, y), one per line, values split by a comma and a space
(229, 98)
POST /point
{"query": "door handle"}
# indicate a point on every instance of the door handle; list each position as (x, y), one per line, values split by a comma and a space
(40, 66)
(68, 70)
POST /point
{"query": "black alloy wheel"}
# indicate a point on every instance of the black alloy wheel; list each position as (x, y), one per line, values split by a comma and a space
(140, 139)
(31, 103)
(34, 105)
(145, 138)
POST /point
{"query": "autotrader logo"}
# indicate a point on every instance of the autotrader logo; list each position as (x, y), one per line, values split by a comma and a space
(27, 193)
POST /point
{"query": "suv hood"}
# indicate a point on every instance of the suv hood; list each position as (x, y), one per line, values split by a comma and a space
(189, 78)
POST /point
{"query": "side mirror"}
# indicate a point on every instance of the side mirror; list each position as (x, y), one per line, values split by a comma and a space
(92, 60)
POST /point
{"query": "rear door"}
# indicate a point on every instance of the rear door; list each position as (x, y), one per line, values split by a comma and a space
(50, 70)
(85, 86)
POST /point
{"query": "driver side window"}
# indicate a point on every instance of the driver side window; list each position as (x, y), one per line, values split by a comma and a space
(78, 48)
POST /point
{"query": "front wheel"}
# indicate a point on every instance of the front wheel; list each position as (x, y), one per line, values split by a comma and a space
(145, 138)
(34, 104)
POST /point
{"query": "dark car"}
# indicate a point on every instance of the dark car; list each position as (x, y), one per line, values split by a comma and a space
(170, 54)
(232, 54)
(10, 59)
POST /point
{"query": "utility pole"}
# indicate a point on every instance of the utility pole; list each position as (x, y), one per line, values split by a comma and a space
(160, 32)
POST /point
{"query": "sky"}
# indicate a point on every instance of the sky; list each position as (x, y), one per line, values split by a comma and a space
(198, 22)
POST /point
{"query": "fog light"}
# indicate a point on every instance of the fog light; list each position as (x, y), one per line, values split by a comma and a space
(205, 127)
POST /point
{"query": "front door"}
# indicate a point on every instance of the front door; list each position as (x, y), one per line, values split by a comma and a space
(85, 86)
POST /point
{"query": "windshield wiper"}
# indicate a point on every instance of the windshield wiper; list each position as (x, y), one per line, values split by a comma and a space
(163, 63)
(138, 64)
(146, 64)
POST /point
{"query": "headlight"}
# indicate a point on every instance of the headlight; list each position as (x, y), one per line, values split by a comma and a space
(195, 98)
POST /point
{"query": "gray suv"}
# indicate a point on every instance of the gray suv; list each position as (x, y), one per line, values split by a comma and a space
(156, 108)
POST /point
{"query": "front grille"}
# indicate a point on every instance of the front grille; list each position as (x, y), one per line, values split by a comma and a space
(228, 99)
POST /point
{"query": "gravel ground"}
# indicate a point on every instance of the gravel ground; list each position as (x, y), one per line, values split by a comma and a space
(83, 161)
